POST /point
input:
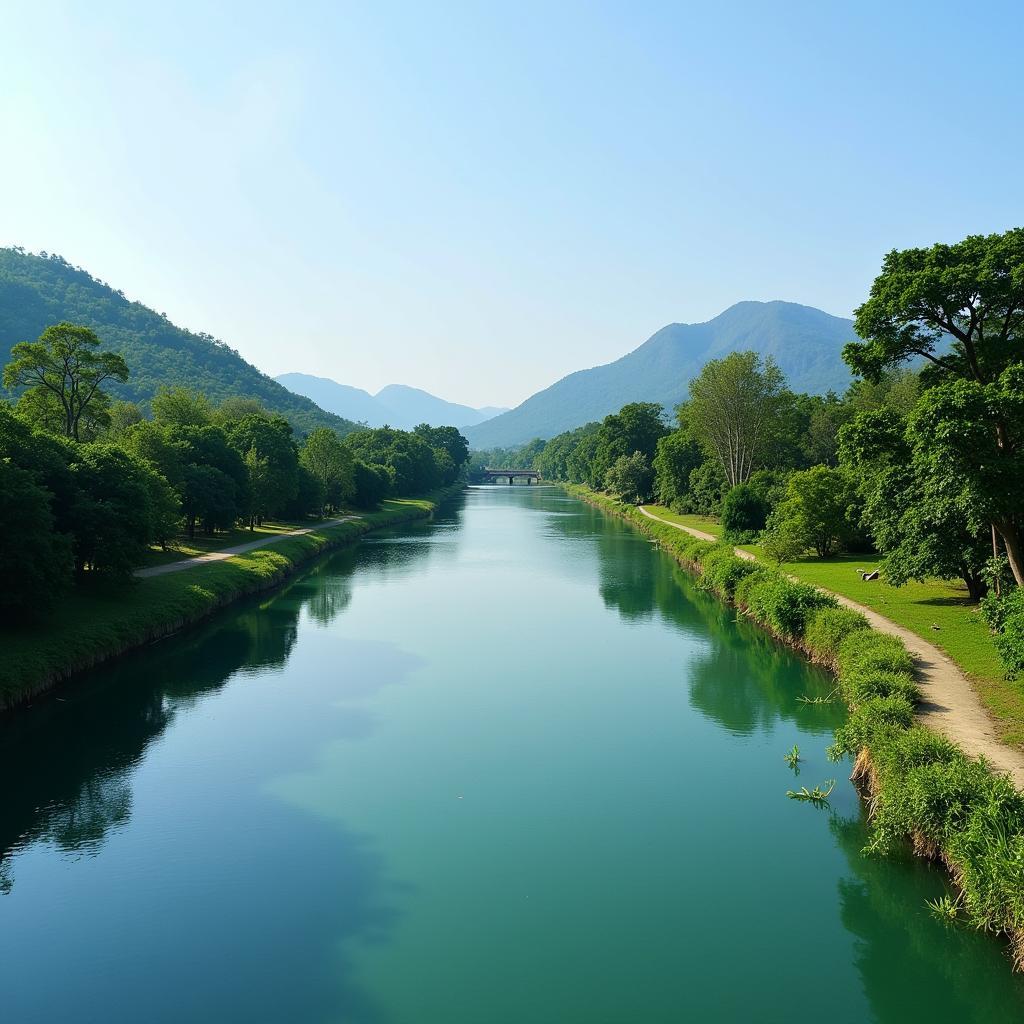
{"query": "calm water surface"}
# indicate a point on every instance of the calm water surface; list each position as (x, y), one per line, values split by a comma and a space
(511, 767)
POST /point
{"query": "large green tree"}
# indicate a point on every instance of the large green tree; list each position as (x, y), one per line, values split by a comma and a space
(734, 411)
(64, 373)
(331, 464)
(916, 519)
(960, 308)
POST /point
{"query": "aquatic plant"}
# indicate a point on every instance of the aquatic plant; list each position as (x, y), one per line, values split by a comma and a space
(793, 758)
(817, 796)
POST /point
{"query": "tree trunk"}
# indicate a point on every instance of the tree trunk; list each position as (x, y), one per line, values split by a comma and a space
(1011, 541)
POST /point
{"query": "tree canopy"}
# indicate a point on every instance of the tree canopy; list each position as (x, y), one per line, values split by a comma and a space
(64, 373)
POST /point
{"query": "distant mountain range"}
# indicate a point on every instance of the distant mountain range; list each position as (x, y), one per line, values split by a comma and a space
(806, 343)
(396, 405)
(37, 291)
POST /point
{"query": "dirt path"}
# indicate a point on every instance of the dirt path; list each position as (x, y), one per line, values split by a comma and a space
(948, 705)
(239, 549)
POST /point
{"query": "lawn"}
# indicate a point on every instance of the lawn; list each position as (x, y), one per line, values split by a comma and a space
(181, 547)
(919, 607)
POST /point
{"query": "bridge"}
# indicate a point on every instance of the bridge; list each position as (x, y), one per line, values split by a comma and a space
(531, 476)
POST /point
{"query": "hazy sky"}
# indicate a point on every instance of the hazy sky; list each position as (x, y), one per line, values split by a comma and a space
(479, 198)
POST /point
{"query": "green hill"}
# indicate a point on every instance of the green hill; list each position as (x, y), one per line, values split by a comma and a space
(36, 291)
(806, 343)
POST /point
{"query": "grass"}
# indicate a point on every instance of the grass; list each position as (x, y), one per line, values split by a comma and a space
(962, 632)
(101, 619)
(181, 547)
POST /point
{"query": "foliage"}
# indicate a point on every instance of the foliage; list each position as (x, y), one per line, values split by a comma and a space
(922, 526)
(180, 406)
(783, 605)
(733, 411)
(961, 308)
(636, 427)
(371, 484)
(816, 513)
(1005, 615)
(630, 477)
(331, 465)
(827, 628)
(744, 513)
(64, 372)
(36, 558)
(678, 455)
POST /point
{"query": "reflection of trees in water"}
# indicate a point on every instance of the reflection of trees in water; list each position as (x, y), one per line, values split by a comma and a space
(739, 676)
(912, 966)
(74, 757)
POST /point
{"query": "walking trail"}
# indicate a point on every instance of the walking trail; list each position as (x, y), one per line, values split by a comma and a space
(239, 549)
(949, 704)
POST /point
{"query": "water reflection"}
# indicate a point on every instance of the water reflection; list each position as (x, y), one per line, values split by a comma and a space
(917, 968)
(741, 692)
(73, 754)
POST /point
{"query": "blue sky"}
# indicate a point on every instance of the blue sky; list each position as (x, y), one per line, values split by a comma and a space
(479, 198)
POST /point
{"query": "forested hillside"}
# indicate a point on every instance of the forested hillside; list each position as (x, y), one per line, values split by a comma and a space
(805, 342)
(37, 291)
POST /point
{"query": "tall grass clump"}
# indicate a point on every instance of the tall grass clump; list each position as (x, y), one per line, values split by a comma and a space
(827, 628)
(784, 606)
(723, 571)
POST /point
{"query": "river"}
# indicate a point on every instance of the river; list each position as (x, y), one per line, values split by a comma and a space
(510, 767)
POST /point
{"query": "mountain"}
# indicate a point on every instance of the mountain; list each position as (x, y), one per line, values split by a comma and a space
(395, 405)
(806, 343)
(37, 291)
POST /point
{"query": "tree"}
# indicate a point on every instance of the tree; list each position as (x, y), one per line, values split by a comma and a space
(181, 407)
(113, 512)
(235, 408)
(969, 438)
(35, 559)
(121, 416)
(678, 455)
(451, 441)
(961, 309)
(744, 513)
(733, 410)
(630, 476)
(372, 484)
(706, 490)
(553, 461)
(331, 463)
(411, 460)
(636, 427)
(817, 510)
(63, 370)
(917, 521)
(271, 439)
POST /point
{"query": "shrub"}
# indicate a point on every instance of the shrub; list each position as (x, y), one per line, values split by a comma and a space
(744, 512)
(864, 683)
(1005, 615)
(746, 585)
(723, 571)
(875, 719)
(784, 605)
(828, 627)
(869, 650)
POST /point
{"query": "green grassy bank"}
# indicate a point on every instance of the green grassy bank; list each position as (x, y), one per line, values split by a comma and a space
(98, 622)
(919, 786)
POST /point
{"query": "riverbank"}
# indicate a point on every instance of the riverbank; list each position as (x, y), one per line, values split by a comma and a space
(938, 612)
(96, 623)
(919, 786)
(948, 703)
